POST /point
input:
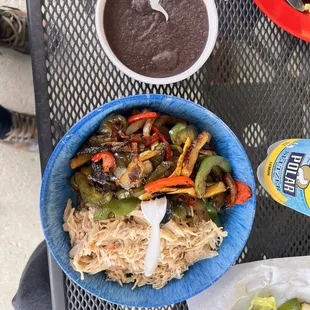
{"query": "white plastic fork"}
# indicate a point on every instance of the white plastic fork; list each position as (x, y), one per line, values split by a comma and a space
(153, 211)
(157, 7)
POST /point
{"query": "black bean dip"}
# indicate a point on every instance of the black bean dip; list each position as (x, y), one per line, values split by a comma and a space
(148, 44)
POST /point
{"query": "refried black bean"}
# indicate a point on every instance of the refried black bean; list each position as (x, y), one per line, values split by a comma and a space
(145, 43)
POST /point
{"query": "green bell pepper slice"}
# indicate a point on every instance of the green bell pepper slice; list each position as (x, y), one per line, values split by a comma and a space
(180, 132)
(212, 212)
(174, 133)
(108, 126)
(205, 168)
(118, 207)
(89, 193)
(160, 171)
(124, 194)
(101, 214)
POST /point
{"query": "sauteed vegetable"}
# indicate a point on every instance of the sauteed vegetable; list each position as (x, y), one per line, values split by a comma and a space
(148, 154)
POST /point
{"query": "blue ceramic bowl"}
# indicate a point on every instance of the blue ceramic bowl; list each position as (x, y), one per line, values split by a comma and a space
(55, 192)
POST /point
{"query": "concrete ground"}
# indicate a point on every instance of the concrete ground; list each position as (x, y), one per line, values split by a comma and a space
(19, 177)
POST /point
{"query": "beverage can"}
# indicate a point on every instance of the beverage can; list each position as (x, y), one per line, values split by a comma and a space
(285, 174)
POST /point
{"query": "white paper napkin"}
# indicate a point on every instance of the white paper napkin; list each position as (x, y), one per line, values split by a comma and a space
(283, 278)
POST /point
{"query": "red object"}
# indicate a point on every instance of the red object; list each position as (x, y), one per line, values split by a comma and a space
(168, 152)
(136, 140)
(108, 160)
(280, 12)
(244, 193)
(141, 116)
(163, 139)
(147, 141)
(156, 186)
(191, 201)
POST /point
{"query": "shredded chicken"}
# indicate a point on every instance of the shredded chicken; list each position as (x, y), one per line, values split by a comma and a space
(118, 246)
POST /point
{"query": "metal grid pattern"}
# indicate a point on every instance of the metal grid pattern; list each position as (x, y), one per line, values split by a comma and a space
(77, 298)
(257, 80)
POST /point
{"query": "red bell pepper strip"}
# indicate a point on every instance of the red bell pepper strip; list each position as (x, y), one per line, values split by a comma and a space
(244, 193)
(157, 185)
(136, 140)
(108, 160)
(147, 141)
(141, 116)
(163, 139)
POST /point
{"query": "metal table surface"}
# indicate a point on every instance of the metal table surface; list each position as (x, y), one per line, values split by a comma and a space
(257, 80)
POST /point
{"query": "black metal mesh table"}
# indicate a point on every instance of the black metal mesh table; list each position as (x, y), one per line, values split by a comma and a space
(257, 80)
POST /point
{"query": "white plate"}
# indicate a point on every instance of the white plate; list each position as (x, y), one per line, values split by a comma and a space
(283, 278)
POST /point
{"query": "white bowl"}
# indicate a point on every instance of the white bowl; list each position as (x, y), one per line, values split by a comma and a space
(212, 36)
